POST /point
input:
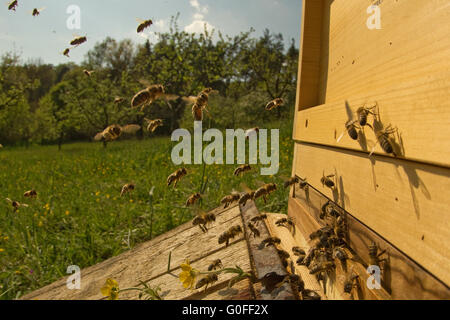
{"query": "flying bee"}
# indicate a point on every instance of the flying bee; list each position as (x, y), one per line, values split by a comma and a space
(383, 138)
(88, 73)
(251, 132)
(66, 52)
(206, 281)
(228, 200)
(265, 191)
(129, 187)
(326, 181)
(363, 113)
(200, 103)
(113, 132)
(374, 255)
(242, 169)
(154, 124)
(13, 5)
(37, 12)
(150, 94)
(16, 205)
(216, 264)
(143, 25)
(254, 230)
(30, 194)
(203, 219)
(258, 218)
(271, 241)
(247, 196)
(193, 199)
(118, 100)
(229, 234)
(176, 177)
(78, 40)
(350, 127)
(275, 104)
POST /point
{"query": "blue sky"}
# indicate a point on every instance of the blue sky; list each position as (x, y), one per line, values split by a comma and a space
(47, 35)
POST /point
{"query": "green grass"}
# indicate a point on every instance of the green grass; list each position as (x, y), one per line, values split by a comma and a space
(79, 217)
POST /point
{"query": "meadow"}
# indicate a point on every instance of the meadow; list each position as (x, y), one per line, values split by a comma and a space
(79, 217)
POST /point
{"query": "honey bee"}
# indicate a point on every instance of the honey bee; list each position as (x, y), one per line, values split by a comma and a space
(229, 234)
(328, 209)
(296, 282)
(118, 100)
(326, 181)
(216, 264)
(203, 219)
(143, 25)
(258, 218)
(271, 241)
(297, 251)
(350, 128)
(352, 282)
(154, 124)
(265, 191)
(283, 222)
(113, 132)
(292, 181)
(13, 5)
(176, 177)
(321, 266)
(363, 113)
(193, 199)
(383, 138)
(66, 52)
(245, 197)
(275, 104)
(200, 104)
(339, 253)
(242, 169)
(284, 256)
(374, 255)
(127, 188)
(147, 96)
(254, 230)
(206, 281)
(326, 231)
(16, 205)
(310, 295)
(37, 12)
(228, 200)
(88, 73)
(77, 41)
(30, 194)
(251, 132)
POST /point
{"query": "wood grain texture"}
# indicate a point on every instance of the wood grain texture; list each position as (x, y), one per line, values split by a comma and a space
(405, 202)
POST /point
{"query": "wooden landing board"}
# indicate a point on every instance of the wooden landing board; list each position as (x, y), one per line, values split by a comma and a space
(403, 201)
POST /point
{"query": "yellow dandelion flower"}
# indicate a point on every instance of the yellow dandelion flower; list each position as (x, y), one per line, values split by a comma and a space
(67, 212)
(2, 250)
(110, 289)
(6, 238)
(40, 224)
(187, 275)
(97, 193)
(108, 196)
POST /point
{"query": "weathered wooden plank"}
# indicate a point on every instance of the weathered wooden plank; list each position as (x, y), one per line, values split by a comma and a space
(146, 261)
(403, 201)
(402, 277)
(242, 290)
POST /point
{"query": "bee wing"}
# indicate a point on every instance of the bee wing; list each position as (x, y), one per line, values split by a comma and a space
(9, 200)
(245, 188)
(24, 205)
(349, 111)
(171, 97)
(270, 105)
(98, 136)
(260, 183)
(131, 128)
(145, 82)
(190, 99)
(340, 137)
(140, 20)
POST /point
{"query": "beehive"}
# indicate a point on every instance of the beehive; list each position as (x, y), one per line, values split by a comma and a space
(400, 202)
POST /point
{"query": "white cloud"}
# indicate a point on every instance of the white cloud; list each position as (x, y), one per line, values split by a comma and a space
(160, 24)
(198, 26)
(195, 4)
(198, 16)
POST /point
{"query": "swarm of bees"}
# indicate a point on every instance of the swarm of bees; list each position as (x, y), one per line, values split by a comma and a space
(176, 177)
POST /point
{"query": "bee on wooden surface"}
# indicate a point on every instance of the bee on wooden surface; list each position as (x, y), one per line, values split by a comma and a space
(258, 218)
(13, 5)
(154, 124)
(310, 256)
(66, 52)
(374, 255)
(274, 104)
(251, 132)
(265, 191)
(113, 132)
(321, 266)
(284, 256)
(383, 138)
(118, 100)
(297, 251)
(37, 12)
(88, 73)
(203, 219)
(176, 177)
(285, 222)
(78, 40)
(129, 187)
(339, 253)
(363, 114)
(328, 210)
(271, 241)
(340, 228)
(324, 231)
(242, 169)
(143, 25)
(308, 294)
(228, 200)
(216, 264)
(292, 181)
(30, 194)
(206, 281)
(326, 181)
(245, 197)
(193, 199)
(16, 204)
(254, 230)
(229, 234)
(350, 128)
(296, 282)
(352, 282)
